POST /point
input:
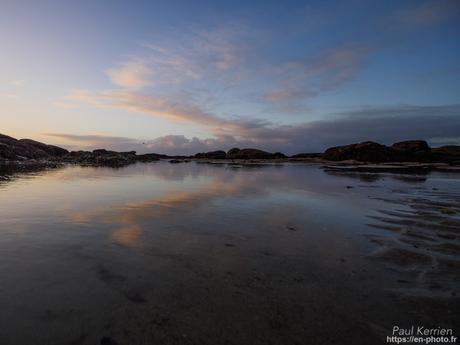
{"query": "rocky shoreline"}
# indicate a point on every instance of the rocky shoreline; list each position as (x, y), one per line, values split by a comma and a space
(414, 156)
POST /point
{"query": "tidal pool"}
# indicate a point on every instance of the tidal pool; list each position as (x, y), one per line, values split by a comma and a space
(196, 253)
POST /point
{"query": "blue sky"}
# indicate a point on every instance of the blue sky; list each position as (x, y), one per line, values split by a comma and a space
(183, 77)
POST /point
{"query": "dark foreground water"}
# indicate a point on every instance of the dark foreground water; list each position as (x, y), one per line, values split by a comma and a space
(212, 254)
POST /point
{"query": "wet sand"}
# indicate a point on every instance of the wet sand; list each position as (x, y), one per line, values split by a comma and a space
(209, 254)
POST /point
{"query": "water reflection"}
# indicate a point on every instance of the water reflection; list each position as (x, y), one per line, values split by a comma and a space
(149, 252)
(129, 216)
(373, 177)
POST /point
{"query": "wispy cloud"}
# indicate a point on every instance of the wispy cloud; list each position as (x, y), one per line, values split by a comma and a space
(215, 54)
(95, 141)
(426, 14)
(302, 79)
(92, 139)
(175, 82)
(131, 74)
(208, 63)
(162, 106)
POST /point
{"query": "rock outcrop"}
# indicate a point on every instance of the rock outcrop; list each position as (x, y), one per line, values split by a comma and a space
(449, 154)
(236, 153)
(233, 151)
(14, 149)
(249, 153)
(101, 158)
(307, 155)
(404, 151)
(211, 155)
(30, 151)
(412, 146)
(150, 157)
(27, 150)
(367, 151)
(412, 151)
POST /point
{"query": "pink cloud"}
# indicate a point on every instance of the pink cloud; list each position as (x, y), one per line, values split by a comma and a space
(131, 74)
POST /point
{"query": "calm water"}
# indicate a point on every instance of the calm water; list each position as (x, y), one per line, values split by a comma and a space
(212, 254)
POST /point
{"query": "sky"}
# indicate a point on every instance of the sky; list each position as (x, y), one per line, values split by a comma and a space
(181, 77)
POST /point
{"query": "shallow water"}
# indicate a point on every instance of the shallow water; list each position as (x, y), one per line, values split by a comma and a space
(195, 253)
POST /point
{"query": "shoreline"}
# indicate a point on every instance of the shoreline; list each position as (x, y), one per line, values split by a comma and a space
(327, 165)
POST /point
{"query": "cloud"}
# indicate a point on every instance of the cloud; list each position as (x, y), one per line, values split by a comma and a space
(131, 74)
(426, 14)
(296, 81)
(228, 62)
(164, 106)
(96, 141)
(174, 109)
(384, 124)
(307, 78)
(91, 139)
(179, 144)
(218, 54)
(168, 144)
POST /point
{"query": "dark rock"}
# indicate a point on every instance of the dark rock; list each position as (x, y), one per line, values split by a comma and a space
(404, 151)
(54, 151)
(13, 149)
(6, 137)
(175, 161)
(307, 155)
(412, 151)
(233, 151)
(279, 155)
(27, 150)
(367, 151)
(150, 157)
(6, 151)
(212, 155)
(448, 154)
(101, 152)
(101, 157)
(9, 169)
(413, 146)
(251, 154)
